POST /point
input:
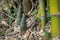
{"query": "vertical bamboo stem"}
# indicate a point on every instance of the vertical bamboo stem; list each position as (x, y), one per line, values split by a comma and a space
(41, 12)
(59, 12)
(54, 19)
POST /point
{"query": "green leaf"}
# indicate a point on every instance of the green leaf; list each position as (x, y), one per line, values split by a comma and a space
(34, 12)
(3, 33)
(46, 33)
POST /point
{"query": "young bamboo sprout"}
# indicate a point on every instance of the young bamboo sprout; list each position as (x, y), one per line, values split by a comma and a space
(19, 16)
(23, 23)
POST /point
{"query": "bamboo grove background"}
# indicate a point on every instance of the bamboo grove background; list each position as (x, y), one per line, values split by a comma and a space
(29, 19)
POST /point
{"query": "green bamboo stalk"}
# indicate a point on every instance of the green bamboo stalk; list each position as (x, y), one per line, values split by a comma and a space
(41, 12)
(54, 19)
(59, 11)
(59, 5)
